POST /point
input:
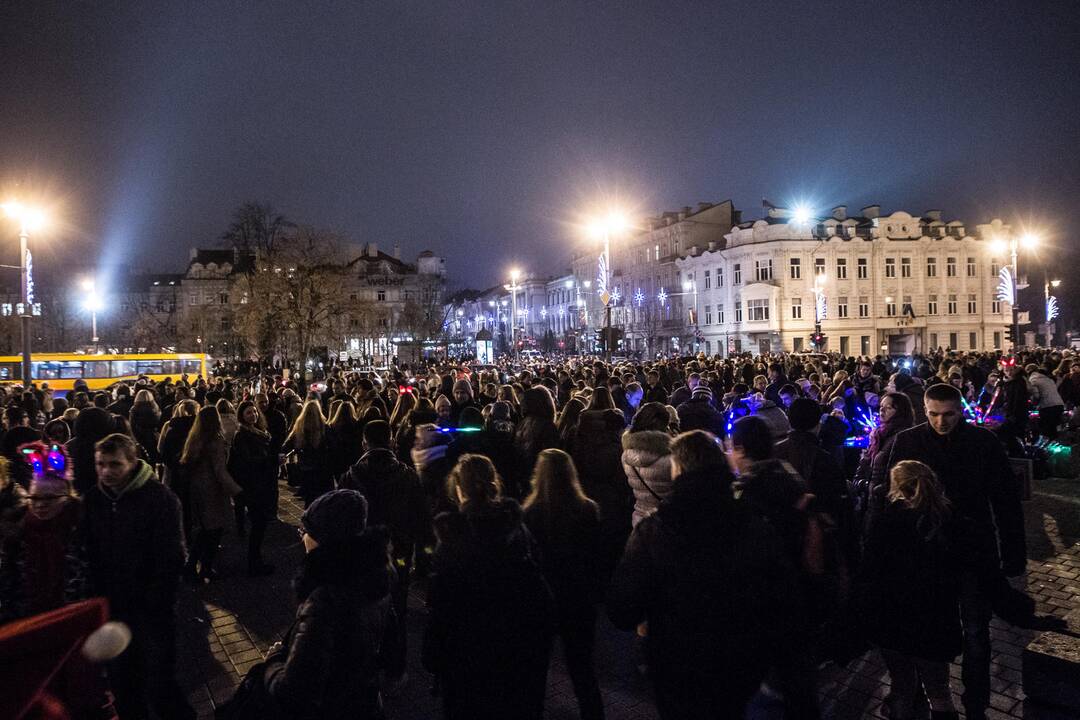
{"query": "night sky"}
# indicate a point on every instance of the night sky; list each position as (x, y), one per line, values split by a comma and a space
(486, 130)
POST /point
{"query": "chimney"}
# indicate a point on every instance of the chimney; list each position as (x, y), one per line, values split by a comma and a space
(840, 212)
(736, 217)
(871, 211)
(194, 253)
(397, 251)
(712, 245)
(372, 250)
(933, 215)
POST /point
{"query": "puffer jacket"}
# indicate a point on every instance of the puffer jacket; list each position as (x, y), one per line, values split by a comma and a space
(646, 460)
(328, 664)
(1044, 391)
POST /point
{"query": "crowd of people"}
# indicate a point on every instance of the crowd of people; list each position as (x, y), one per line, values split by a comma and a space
(747, 518)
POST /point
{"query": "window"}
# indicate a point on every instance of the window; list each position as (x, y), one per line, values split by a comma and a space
(931, 305)
(738, 311)
(951, 310)
(931, 267)
(763, 270)
(757, 310)
(862, 269)
(952, 341)
(841, 269)
(720, 314)
(845, 345)
(708, 314)
(950, 267)
(656, 252)
(864, 308)
(997, 340)
(96, 369)
(841, 307)
(737, 280)
(994, 268)
(719, 277)
(890, 267)
(890, 307)
(7, 310)
(797, 344)
(973, 340)
(193, 299)
(973, 304)
(819, 266)
(796, 268)
(148, 367)
(995, 307)
(381, 295)
(796, 308)
(122, 368)
(708, 279)
(223, 298)
(191, 367)
(905, 267)
(933, 340)
(971, 270)
(864, 344)
(71, 370)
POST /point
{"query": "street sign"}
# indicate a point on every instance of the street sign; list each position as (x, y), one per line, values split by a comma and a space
(605, 297)
(343, 355)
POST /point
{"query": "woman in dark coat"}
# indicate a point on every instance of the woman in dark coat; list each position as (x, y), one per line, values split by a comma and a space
(910, 603)
(895, 415)
(253, 464)
(566, 525)
(536, 431)
(489, 635)
(327, 667)
(170, 447)
(145, 418)
(91, 425)
(597, 453)
(344, 439)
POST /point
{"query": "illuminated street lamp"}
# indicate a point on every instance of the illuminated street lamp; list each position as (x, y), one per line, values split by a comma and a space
(1051, 306)
(92, 304)
(1029, 241)
(604, 227)
(28, 219)
(514, 275)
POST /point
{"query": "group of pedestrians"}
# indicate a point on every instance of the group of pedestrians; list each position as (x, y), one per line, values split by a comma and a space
(710, 506)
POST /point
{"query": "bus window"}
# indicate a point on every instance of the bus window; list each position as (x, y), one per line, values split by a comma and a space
(71, 370)
(120, 368)
(10, 371)
(45, 370)
(170, 367)
(191, 367)
(149, 367)
(96, 369)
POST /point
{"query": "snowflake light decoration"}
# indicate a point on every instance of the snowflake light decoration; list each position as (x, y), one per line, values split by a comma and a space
(616, 295)
(639, 298)
(662, 296)
(1006, 285)
(1051, 308)
(543, 312)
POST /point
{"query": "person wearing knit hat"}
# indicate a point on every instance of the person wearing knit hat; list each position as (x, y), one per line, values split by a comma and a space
(328, 663)
(462, 398)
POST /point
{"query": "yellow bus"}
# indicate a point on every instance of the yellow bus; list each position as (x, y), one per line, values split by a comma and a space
(61, 370)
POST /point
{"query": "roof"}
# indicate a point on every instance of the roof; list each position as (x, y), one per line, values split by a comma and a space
(366, 263)
(204, 256)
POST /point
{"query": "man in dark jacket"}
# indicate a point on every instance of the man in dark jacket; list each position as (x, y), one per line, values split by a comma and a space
(777, 380)
(124, 401)
(713, 583)
(698, 413)
(136, 552)
(823, 475)
(974, 472)
(395, 499)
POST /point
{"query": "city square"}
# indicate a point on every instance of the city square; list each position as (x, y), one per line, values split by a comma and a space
(494, 360)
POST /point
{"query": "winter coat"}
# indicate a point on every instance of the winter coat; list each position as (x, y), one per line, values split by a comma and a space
(909, 598)
(571, 557)
(773, 489)
(91, 425)
(171, 446)
(254, 467)
(1044, 391)
(134, 545)
(823, 475)
(699, 414)
(597, 454)
(974, 471)
(533, 435)
(492, 618)
(646, 460)
(328, 664)
(719, 595)
(43, 563)
(345, 445)
(775, 418)
(212, 487)
(395, 498)
(144, 418)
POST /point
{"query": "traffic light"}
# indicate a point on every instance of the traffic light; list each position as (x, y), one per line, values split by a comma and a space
(1010, 336)
(818, 340)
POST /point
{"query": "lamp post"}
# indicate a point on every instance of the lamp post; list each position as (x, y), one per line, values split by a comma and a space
(1029, 241)
(604, 228)
(92, 303)
(514, 274)
(1050, 320)
(819, 291)
(28, 219)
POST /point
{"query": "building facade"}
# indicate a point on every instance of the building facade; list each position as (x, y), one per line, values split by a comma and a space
(873, 284)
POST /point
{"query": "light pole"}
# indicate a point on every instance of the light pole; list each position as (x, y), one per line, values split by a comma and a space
(1029, 241)
(29, 219)
(92, 303)
(514, 274)
(604, 227)
(819, 292)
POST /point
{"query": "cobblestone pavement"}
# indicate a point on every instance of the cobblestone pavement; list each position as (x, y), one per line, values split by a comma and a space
(227, 627)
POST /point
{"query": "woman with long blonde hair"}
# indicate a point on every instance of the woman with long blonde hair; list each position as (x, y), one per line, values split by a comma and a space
(566, 526)
(307, 440)
(912, 593)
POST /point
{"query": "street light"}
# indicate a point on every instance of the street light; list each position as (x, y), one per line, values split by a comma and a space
(92, 304)
(998, 245)
(1051, 309)
(28, 219)
(514, 275)
(604, 227)
(819, 294)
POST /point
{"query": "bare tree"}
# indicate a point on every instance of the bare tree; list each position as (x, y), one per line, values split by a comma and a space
(257, 229)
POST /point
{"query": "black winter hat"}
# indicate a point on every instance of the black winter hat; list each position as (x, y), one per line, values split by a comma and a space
(336, 517)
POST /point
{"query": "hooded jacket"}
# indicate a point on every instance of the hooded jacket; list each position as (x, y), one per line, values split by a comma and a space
(328, 663)
(91, 425)
(646, 460)
(394, 495)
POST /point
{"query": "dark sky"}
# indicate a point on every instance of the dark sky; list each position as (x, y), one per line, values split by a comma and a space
(484, 130)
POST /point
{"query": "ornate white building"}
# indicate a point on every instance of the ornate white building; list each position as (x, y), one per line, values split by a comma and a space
(876, 284)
